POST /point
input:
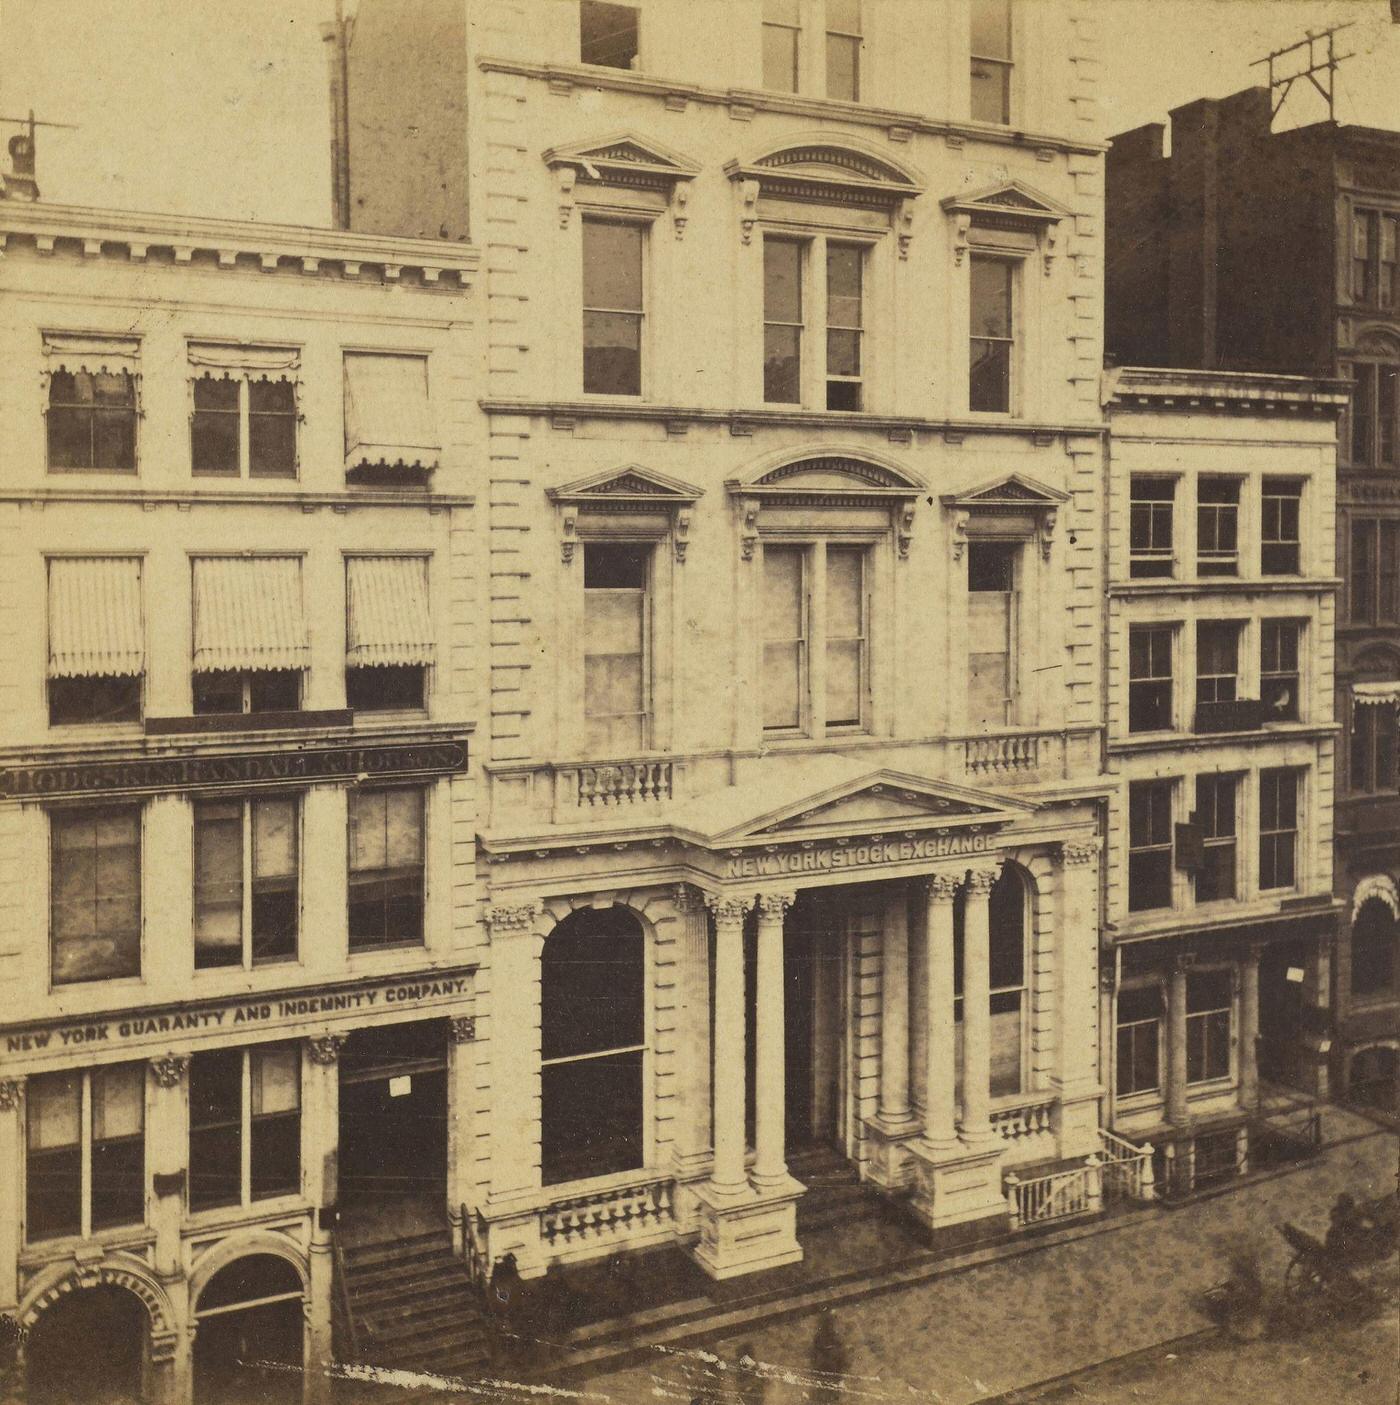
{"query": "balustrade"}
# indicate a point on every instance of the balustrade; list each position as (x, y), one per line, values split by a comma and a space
(1078, 1191)
(1023, 1121)
(619, 783)
(610, 1215)
(1001, 755)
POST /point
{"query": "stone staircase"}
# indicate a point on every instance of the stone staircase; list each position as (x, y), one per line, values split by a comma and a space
(412, 1305)
(834, 1192)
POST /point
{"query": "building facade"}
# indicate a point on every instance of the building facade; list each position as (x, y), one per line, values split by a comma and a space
(238, 862)
(792, 803)
(1248, 249)
(1220, 633)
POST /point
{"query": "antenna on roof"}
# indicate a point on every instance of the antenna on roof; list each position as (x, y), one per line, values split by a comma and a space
(1320, 69)
(19, 183)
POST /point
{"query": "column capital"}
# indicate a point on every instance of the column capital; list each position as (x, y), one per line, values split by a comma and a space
(942, 887)
(170, 1069)
(325, 1048)
(511, 917)
(11, 1093)
(980, 880)
(687, 898)
(461, 1029)
(1078, 853)
(728, 907)
(775, 904)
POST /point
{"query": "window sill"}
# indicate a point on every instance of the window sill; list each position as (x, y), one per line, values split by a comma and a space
(300, 720)
(366, 717)
(90, 472)
(39, 1252)
(413, 944)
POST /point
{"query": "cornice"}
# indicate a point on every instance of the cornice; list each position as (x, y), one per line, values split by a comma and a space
(900, 126)
(98, 233)
(307, 502)
(1278, 734)
(1246, 392)
(1225, 585)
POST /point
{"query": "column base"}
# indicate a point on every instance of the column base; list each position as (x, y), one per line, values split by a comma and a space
(953, 1185)
(1075, 1118)
(747, 1231)
(888, 1166)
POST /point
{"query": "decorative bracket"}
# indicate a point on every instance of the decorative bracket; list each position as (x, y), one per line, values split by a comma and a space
(904, 529)
(748, 208)
(960, 534)
(749, 509)
(902, 221)
(680, 201)
(567, 178)
(680, 534)
(962, 226)
(568, 534)
(1048, 238)
(1047, 532)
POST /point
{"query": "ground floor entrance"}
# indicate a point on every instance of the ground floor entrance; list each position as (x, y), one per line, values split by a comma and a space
(89, 1347)
(249, 1334)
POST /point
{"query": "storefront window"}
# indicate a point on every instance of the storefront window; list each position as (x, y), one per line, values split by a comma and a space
(1208, 1004)
(1140, 1014)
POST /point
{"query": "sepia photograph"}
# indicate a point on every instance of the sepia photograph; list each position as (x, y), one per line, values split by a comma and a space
(699, 702)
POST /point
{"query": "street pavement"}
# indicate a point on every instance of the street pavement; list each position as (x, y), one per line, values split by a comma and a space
(1007, 1326)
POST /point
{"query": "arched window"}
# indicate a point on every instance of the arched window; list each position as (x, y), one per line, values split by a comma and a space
(593, 1012)
(1374, 936)
(1010, 1003)
(250, 1325)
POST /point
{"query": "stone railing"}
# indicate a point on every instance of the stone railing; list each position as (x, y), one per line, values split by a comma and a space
(1078, 1191)
(1027, 1125)
(1008, 755)
(615, 783)
(616, 1213)
(1127, 1169)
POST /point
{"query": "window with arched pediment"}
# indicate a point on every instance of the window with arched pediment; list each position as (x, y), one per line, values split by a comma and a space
(1375, 946)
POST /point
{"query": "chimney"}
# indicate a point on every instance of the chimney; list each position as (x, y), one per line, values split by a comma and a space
(18, 182)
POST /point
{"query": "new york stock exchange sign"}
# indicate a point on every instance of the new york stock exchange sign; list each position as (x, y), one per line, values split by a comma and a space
(834, 858)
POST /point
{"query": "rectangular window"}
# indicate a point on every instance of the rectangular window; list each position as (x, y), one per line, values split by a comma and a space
(95, 894)
(386, 868)
(608, 34)
(612, 305)
(391, 437)
(1208, 1005)
(991, 632)
(1150, 526)
(1006, 970)
(1217, 527)
(1150, 677)
(92, 417)
(616, 667)
(1278, 828)
(1373, 258)
(846, 629)
(1217, 677)
(991, 294)
(845, 264)
(991, 61)
(389, 635)
(244, 417)
(1374, 414)
(783, 321)
(1278, 669)
(1149, 845)
(782, 45)
(843, 40)
(246, 900)
(97, 654)
(245, 1125)
(85, 1151)
(254, 690)
(1374, 581)
(1140, 1017)
(1215, 818)
(786, 617)
(1373, 747)
(1280, 548)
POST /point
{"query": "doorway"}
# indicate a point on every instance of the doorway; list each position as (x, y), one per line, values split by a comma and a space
(393, 1113)
(250, 1332)
(814, 970)
(1282, 1016)
(89, 1347)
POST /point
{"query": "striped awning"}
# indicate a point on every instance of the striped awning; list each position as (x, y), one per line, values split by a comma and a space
(1376, 694)
(95, 627)
(247, 614)
(387, 619)
(388, 420)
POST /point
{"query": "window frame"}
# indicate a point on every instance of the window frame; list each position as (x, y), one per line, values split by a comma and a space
(1373, 594)
(1218, 561)
(1370, 769)
(641, 222)
(1274, 527)
(1221, 846)
(855, 39)
(1158, 1025)
(647, 720)
(1276, 631)
(59, 815)
(1367, 283)
(1155, 509)
(1273, 835)
(1206, 1020)
(1210, 686)
(1012, 263)
(387, 872)
(1154, 630)
(1165, 787)
(1004, 64)
(1370, 437)
(796, 31)
(92, 410)
(1387, 947)
(635, 66)
(246, 415)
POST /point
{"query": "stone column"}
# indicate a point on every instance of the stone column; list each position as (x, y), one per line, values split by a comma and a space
(461, 1150)
(728, 1176)
(940, 1130)
(977, 1011)
(1249, 1030)
(770, 1106)
(1076, 1005)
(11, 1178)
(692, 1144)
(1176, 1043)
(169, 1141)
(321, 1143)
(894, 1010)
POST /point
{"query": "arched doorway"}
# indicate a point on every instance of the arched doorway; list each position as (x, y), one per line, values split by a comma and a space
(249, 1338)
(90, 1345)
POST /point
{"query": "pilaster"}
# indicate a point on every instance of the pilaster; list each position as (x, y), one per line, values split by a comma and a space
(1076, 977)
(168, 1138)
(11, 1149)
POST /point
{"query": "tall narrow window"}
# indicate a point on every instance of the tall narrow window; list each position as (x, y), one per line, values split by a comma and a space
(783, 321)
(1208, 1005)
(608, 34)
(782, 45)
(86, 1151)
(785, 616)
(1215, 816)
(95, 894)
(1374, 728)
(1278, 669)
(845, 264)
(246, 882)
(1280, 548)
(1007, 973)
(1217, 676)
(1373, 258)
(615, 662)
(387, 880)
(1140, 1017)
(1217, 527)
(1375, 943)
(991, 287)
(1278, 827)
(846, 627)
(1374, 413)
(1150, 677)
(991, 631)
(612, 307)
(1375, 571)
(991, 61)
(843, 40)
(97, 652)
(1150, 526)
(1149, 845)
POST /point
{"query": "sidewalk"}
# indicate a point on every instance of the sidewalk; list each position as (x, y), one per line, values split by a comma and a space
(1008, 1324)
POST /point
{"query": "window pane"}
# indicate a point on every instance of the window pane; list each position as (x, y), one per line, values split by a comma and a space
(1006, 1044)
(275, 1073)
(844, 263)
(218, 884)
(615, 565)
(780, 47)
(53, 1110)
(843, 682)
(274, 838)
(785, 631)
(612, 266)
(1142, 1003)
(612, 686)
(214, 427)
(613, 621)
(782, 280)
(591, 1117)
(782, 365)
(842, 67)
(989, 667)
(96, 926)
(118, 1145)
(989, 387)
(403, 819)
(216, 1117)
(607, 34)
(53, 1202)
(991, 298)
(782, 685)
(991, 29)
(991, 92)
(843, 15)
(118, 1101)
(367, 829)
(275, 879)
(272, 426)
(593, 975)
(782, 594)
(612, 353)
(845, 593)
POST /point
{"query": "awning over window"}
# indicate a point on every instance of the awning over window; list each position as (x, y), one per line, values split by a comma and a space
(74, 352)
(263, 363)
(387, 619)
(1376, 694)
(95, 618)
(388, 420)
(247, 614)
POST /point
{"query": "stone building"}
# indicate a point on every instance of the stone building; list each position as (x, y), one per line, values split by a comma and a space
(791, 790)
(237, 871)
(1247, 249)
(1219, 634)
